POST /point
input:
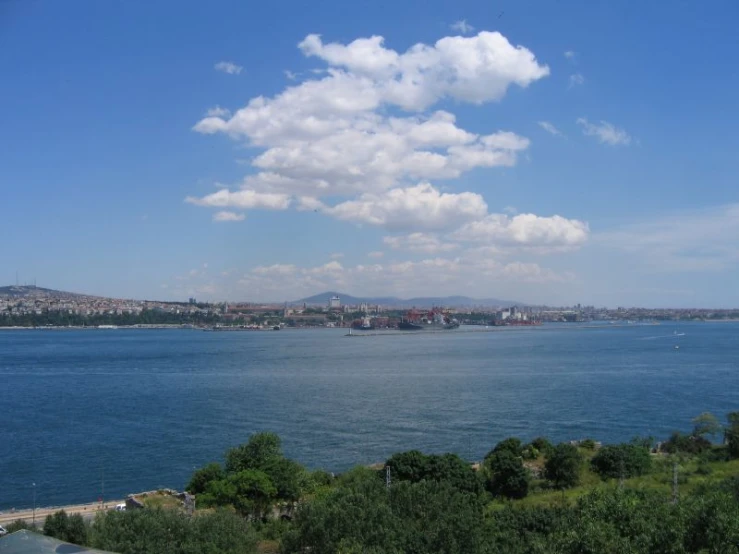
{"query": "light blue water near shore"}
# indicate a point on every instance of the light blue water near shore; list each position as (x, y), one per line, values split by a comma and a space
(143, 408)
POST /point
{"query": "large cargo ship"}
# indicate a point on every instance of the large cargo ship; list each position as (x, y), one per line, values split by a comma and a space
(432, 321)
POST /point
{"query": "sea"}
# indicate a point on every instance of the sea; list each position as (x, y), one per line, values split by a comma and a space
(91, 414)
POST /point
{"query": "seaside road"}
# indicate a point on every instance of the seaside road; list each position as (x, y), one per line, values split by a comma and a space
(88, 512)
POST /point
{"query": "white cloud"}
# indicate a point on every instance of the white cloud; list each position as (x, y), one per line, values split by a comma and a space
(419, 242)
(336, 255)
(605, 132)
(526, 230)
(245, 199)
(217, 111)
(228, 67)
(228, 216)
(576, 79)
(474, 69)
(418, 207)
(570, 54)
(292, 76)
(549, 128)
(375, 254)
(462, 26)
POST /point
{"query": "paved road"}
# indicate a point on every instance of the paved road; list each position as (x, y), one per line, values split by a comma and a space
(88, 512)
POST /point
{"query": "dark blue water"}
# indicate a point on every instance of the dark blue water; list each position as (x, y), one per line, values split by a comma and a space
(143, 408)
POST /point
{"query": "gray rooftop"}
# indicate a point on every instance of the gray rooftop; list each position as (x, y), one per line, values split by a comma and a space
(28, 542)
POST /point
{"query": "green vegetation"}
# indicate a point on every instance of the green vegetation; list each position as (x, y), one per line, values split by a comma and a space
(621, 461)
(524, 498)
(563, 466)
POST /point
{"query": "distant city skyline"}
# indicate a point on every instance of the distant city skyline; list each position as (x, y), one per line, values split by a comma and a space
(558, 154)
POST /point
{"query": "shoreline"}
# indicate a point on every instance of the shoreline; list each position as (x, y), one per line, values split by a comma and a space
(190, 327)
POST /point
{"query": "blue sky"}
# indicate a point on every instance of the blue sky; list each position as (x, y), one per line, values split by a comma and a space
(552, 152)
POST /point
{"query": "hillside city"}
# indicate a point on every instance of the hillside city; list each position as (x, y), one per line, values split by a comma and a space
(36, 306)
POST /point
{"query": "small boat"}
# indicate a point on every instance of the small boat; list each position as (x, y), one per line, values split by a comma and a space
(276, 328)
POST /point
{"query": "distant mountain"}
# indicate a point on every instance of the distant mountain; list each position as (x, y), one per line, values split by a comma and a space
(420, 302)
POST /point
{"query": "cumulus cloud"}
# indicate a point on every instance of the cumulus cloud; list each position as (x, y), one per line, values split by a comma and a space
(419, 242)
(550, 128)
(418, 207)
(245, 199)
(359, 142)
(473, 69)
(526, 230)
(576, 79)
(223, 216)
(462, 26)
(605, 132)
(228, 67)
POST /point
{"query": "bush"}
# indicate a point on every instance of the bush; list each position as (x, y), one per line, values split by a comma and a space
(687, 444)
(512, 445)
(588, 444)
(543, 445)
(160, 531)
(66, 528)
(200, 479)
(414, 466)
(17, 525)
(621, 460)
(507, 475)
(563, 466)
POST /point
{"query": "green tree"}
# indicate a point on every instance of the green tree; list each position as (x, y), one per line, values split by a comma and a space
(200, 479)
(158, 531)
(415, 467)
(563, 466)
(17, 525)
(706, 424)
(543, 445)
(512, 444)
(621, 460)
(731, 435)
(261, 450)
(254, 493)
(76, 530)
(507, 475)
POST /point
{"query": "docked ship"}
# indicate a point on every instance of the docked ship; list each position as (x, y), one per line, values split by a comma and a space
(432, 321)
(364, 324)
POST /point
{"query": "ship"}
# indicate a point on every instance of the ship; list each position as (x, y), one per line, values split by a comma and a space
(434, 320)
(364, 324)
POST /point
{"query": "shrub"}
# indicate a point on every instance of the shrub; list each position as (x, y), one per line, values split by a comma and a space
(563, 466)
(507, 475)
(621, 460)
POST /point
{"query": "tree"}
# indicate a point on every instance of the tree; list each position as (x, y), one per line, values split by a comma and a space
(563, 466)
(254, 493)
(158, 531)
(543, 445)
(66, 528)
(200, 479)
(512, 444)
(415, 467)
(507, 475)
(706, 424)
(621, 461)
(731, 435)
(261, 450)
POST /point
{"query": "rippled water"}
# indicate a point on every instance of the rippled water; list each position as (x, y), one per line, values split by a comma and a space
(141, 409)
